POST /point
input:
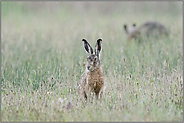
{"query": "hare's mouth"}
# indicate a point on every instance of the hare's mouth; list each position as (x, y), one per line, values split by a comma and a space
(90, 68)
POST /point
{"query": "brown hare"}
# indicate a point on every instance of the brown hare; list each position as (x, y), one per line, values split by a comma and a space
(92, 80)
(148, 29)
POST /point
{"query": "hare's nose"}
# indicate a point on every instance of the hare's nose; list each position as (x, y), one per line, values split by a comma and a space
(88, 67)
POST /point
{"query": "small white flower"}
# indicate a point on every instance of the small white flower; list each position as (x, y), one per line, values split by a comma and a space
(49, 92)
(61, 100)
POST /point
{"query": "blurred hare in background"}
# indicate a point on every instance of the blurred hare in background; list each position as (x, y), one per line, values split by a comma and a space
(148, 29)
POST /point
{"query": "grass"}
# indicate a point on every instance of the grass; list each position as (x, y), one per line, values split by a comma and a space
(42, 59)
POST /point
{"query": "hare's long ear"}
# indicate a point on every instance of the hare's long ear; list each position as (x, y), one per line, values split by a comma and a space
(134, 25)
(98, 47)
(87, 47)
(125, 28)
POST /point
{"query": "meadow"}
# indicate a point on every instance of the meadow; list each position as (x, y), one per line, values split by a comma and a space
(42, 59)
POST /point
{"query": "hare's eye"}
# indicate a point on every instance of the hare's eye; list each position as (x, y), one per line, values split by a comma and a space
(95, 59)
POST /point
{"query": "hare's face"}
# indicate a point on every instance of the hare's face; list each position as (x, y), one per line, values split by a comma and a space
(93, 62)
(130, 30)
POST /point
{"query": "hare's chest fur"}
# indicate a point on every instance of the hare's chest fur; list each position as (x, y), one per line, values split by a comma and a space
(95, 80)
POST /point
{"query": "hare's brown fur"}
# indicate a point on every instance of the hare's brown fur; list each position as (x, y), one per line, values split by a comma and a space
(92, 80)
(149, 28)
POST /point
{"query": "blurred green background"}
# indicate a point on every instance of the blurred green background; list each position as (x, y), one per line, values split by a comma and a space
(42, 59)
